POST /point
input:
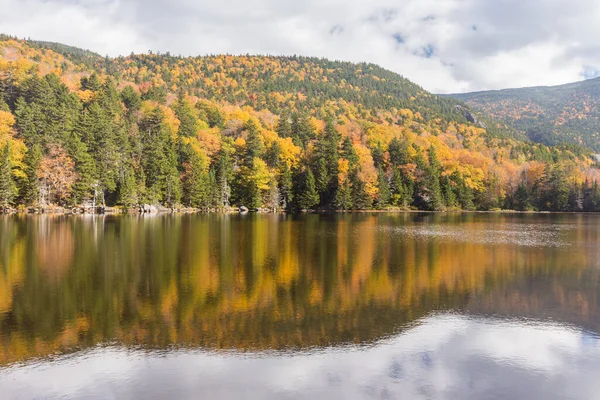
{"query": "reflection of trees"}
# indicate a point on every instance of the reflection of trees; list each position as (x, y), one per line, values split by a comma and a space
(257, 282)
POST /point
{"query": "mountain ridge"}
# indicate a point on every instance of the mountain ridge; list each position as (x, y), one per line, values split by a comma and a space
(552, 115)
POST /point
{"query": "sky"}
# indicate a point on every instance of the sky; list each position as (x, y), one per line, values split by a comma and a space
(446, 46)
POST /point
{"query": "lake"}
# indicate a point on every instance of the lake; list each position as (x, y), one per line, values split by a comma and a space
(352, 306)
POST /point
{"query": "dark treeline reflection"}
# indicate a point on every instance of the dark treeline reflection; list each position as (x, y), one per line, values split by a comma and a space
(274, 281)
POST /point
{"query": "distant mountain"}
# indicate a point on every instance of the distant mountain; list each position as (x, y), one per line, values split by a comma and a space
(548, 114)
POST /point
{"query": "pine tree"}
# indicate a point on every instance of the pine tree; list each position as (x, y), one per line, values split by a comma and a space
(196, 182)
(286, 187)
(131, 99)
(428, 195)
(384, 195)
(85, 168)
(448, 192)
(360, 198)
(398, 152)
(302, 130)
(401, 196)
(327, 149)
(308, 197)
(343, 197)
(8, 190)
(254, 143)
(127, 190)
(31, 190)
(188, 123)
(284, 128)
(522, 198)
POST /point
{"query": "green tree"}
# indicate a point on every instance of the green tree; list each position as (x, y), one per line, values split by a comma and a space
(284, 128)
(8, 189)
(308, 196)
(31, 191)
(360, 198)
(196, 182)
(384, 195)
(254, 143)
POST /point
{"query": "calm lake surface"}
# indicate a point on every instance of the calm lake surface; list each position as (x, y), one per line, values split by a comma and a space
(345, 306)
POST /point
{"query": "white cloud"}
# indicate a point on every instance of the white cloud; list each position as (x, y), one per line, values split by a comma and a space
(443, 45)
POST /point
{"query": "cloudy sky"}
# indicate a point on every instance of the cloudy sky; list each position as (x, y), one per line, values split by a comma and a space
(443, 45)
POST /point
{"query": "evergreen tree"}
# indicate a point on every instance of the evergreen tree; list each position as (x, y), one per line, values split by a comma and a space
(360, 198)
(401, 196)
(398, 152)
(327, 149)
(384, 195)
(302, 130)
(428, 195)
(196, 182)
(127, 190)
(284, 128)
(8, 190)
(31, 190)
(448, 192)
(85, 168)
(131, 99)
(286, 186)
(254, 143)
(343, 197)
(557, 189)
(464, 193)
(223, 173)
(308, 196)
(522, 198)
(188, 122)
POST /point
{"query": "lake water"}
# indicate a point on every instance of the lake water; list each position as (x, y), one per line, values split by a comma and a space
(345, 306)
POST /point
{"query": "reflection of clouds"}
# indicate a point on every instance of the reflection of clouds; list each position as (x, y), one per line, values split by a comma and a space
(445, 357)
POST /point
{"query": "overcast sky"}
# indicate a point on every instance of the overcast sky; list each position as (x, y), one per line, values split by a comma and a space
(443, 45)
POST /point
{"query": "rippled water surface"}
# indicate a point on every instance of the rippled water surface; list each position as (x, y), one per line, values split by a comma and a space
(353, 306)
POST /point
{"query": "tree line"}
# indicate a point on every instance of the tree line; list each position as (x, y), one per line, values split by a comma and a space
(120, 147)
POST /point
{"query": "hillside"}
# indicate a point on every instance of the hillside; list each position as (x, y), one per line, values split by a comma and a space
(277, 132)
(551, 115)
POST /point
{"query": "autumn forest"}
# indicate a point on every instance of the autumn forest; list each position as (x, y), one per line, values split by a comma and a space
(278, 133)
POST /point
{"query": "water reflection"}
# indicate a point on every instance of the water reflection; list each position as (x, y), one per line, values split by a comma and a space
(444, 357)
(273, 282)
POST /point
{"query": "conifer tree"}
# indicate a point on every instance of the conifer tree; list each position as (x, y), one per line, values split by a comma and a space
(196, 181)
(384, 195)
(360, 198)
(8, 190)
(401, 196)
(85, 168)
(254, 143)
(284, 128)
(343, 197)
(308, 196)
(448, 192)
(127, 190)
(31, 190)
(286, 186)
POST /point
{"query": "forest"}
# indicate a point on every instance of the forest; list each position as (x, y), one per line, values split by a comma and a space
(277, 133)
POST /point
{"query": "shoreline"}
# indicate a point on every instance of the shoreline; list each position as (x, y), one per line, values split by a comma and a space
(233, 210)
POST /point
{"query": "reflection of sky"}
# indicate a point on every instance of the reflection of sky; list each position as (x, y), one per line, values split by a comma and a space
(445, 357)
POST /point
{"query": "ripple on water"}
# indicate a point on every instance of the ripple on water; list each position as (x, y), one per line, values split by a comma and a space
(530, 235)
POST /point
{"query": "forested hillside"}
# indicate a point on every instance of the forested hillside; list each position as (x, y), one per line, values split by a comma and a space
(550, 115)
(264, 132)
